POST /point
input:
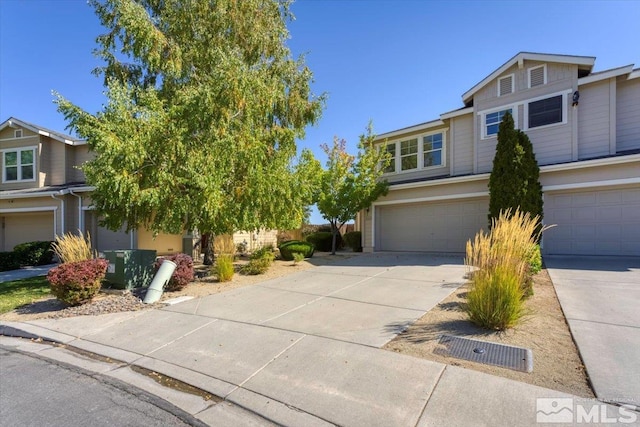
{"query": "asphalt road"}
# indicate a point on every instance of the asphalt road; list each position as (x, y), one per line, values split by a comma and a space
(37, 392)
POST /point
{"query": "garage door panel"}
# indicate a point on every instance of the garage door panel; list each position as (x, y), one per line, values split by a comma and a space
(27, 227)
(595, 222)
(429, 227)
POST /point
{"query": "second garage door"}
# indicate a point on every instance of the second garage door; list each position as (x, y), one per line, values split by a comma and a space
(597, 222)
(430, 226)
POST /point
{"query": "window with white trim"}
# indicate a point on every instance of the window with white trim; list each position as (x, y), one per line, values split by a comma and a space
(18, 164)
(506, 85)
(409, 154)
(17, 133)
(391, 149)
(432, 146)
(537, 76)
(492, 121)
(546, 111)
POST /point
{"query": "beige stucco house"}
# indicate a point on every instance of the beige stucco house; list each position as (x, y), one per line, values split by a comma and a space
(43, 193)
(585, 130)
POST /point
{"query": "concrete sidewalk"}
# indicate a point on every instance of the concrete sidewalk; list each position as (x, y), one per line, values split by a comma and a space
(25, 273)
(600, 297)
(304, 349)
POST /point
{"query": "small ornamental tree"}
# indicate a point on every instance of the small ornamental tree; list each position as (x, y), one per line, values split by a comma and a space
(350, 183)
(515, 178)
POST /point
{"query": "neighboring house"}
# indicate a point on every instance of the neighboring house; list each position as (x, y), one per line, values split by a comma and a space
(43, 193)
(585, 131)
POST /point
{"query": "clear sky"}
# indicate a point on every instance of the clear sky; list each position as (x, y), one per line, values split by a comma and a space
(397, 63)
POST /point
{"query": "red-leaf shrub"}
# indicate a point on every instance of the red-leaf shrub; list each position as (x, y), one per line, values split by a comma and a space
(183, 273)
(76, 283)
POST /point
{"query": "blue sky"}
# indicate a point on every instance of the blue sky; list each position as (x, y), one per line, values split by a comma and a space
(397, 63)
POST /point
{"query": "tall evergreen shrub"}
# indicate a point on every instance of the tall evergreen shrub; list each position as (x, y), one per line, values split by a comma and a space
(515, 178)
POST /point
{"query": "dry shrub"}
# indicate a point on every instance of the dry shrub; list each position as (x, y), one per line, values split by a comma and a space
(223, 245)
(501, 281)
(73, 247)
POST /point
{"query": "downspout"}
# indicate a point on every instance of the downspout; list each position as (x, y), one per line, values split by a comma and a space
(80, 218)
(61, 213)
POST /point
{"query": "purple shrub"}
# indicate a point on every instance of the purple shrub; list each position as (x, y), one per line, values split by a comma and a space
(183, 273)
(76, 283)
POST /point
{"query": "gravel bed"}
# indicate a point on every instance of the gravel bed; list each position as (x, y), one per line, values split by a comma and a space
(102, 304)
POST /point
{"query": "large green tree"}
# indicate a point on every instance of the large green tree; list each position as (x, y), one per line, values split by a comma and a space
(204, 105)
(350, 183)
(515, 177)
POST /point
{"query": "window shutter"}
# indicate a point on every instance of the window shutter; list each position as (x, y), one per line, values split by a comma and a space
(536, 76)
(505, 86)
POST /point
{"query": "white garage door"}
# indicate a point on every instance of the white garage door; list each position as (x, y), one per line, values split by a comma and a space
(431, 226)
(597, 222)
(27, 227)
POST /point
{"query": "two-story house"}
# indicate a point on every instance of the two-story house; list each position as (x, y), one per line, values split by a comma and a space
(585, 131)
(43, 193)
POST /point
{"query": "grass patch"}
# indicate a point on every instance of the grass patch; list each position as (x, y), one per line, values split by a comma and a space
(20, 292)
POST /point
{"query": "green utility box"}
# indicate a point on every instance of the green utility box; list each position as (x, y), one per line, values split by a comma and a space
(130, 269)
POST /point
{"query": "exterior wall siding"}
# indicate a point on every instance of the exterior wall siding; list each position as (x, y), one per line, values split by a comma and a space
(461, 145)
(628, 115)
(56, 172)
(593, 122)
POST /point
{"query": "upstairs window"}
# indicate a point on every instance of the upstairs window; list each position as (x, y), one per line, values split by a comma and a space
(409, 154)
(18, 165)
(537, 76)
(391, 149)
(17, 133)
(492, 121)
(432, 150)
(545, 112)
(506, 85)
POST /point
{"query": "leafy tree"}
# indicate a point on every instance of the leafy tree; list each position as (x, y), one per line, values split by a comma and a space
(515, 177)
(349, 183)
(204, 105)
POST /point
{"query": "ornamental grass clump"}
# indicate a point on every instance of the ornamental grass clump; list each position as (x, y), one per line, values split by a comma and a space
(502, 277)
(224, 267)
(76, 283)
(73, 247)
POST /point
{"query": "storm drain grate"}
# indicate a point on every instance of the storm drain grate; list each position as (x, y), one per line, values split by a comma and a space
(516, 358)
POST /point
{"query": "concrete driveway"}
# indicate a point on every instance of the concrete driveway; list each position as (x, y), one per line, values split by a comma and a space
(600, 297)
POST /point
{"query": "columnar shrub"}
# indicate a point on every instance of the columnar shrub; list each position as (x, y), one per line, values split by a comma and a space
(353, 239)
(183, 273)
(224, 267)
(287, 249)
(76, 283)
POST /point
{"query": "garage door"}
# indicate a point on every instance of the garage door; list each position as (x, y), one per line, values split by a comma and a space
(430, 227)
(598, 222)
(104, 239)
(27, 227)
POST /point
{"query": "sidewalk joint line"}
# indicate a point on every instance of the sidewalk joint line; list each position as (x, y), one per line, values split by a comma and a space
(433, 390)
(323, 296)
(270, 361)
(179, 338)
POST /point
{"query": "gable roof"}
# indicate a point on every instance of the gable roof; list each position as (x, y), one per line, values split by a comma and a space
(58, 136)
(583, 62)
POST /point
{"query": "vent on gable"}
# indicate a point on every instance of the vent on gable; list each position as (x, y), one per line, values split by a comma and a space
(17, 133)
(537, 76)
(505, 85)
